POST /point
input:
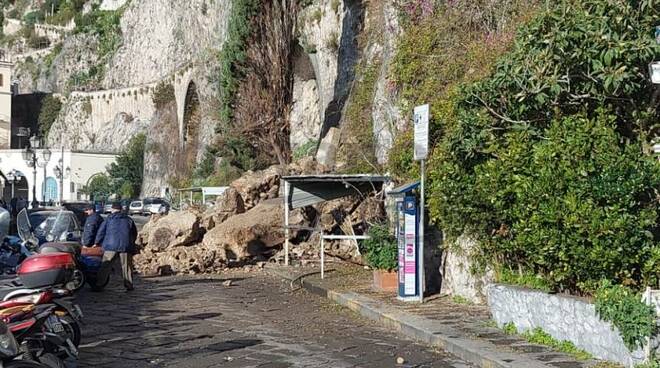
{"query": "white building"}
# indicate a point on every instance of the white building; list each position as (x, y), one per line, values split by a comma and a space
(5, 101)
(78, 168)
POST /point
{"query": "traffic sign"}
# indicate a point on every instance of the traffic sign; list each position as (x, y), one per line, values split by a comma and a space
(421, 119)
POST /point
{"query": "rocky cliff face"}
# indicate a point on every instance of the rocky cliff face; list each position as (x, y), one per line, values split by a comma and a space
(167, 40)
(159, 36)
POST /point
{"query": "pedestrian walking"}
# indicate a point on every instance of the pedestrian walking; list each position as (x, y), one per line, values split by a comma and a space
(92, 224)
(117, 236)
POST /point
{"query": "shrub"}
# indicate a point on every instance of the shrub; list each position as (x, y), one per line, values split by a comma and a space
(305, 150)
(380, 250)
(624, 308)
(543, 161)
(38, 42)
(357, 149)
(50, 110)
(127, 171)
(163, 94)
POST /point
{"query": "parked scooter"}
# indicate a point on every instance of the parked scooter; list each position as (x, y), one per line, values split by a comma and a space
(9, 351)
(38, 331)
(68, 314)
(59, 240)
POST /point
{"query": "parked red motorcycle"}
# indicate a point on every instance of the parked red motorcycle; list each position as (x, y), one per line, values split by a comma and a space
(10, 352)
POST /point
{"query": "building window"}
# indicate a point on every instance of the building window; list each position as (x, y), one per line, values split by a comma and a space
(73, 187)
(2, 77)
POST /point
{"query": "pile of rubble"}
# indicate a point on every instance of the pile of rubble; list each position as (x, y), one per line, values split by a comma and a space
(246, 226)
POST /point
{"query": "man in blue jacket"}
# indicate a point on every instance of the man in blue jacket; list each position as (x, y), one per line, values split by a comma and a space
(92, 225)
(117, 236)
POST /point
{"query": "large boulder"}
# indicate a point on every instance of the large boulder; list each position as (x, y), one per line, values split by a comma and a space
(256, 232)
(257, 186)
(173, 230)
(251, 233)
(229, 204)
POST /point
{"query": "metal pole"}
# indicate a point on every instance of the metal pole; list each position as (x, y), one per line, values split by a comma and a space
(34, 182)
(322, 258)
(43, 191)
(12, 189)
(286, 223)
(420, 273)
(62, 171)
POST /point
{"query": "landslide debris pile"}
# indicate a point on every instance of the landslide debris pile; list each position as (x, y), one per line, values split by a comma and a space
(246, 226)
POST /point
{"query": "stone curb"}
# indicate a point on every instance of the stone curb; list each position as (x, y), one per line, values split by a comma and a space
(481, 353)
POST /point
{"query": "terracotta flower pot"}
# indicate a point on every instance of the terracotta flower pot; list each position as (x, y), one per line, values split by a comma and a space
(385, 281)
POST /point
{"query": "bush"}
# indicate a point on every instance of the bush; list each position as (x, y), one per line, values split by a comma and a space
(305, 150)
(50, 110)
(358, 146)
(38, 42)
(126, 173)
(163, 94)
(380, 250)
(624, 308)
(543, 161)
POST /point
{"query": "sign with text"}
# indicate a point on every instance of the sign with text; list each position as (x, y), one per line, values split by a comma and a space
(421, 119)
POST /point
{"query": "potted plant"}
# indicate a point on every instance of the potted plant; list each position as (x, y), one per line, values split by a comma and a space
(381, 253)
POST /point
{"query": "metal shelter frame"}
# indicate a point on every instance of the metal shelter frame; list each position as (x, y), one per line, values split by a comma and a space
(306, 190)
(206, 191)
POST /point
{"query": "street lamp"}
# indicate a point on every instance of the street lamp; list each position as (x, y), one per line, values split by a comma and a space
(12, 178)
(30, 157)
(45, 157)
(62, 173)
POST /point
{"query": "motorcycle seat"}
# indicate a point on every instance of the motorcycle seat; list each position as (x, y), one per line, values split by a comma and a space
(61, 247)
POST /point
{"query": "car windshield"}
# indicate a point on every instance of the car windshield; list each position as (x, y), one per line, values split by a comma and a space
(153, 201)
(52, 223)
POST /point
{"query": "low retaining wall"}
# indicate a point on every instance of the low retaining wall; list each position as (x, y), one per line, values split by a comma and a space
(563, 317)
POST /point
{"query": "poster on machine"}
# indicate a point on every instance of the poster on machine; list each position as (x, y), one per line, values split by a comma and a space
(410, 256)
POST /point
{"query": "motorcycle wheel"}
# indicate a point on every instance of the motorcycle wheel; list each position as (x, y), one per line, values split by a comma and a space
(22, 364)
(77, 282)
(72, 329)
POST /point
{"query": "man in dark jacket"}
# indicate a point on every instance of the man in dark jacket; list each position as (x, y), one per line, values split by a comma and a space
(92, 224)
(117, 235)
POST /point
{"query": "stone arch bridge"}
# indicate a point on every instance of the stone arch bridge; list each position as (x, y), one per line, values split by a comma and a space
(101, 107)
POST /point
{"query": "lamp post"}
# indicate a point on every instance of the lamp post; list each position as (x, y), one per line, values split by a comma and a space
(62, 173)
(30, 157)
(12, 178)
(45, 157)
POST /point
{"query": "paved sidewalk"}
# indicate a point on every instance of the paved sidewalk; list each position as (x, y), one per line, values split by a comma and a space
(461, 329)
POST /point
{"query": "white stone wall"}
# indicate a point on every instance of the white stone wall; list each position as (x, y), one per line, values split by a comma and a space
(563, 317)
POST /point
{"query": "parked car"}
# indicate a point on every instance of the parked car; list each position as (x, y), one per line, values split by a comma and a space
(107, 208)
(155, 205)
(99, 206)
(136, 207)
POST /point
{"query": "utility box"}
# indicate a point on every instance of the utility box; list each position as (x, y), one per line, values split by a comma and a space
(406, 228)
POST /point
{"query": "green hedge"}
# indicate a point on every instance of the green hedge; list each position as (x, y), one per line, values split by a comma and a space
(545, 159)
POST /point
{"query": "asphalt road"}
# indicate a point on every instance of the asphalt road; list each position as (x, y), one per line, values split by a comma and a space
(256, 322)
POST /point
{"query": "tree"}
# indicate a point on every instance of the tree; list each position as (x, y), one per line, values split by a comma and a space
(264, 95)
(127, 172)
(50, 109)
(98, 188)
